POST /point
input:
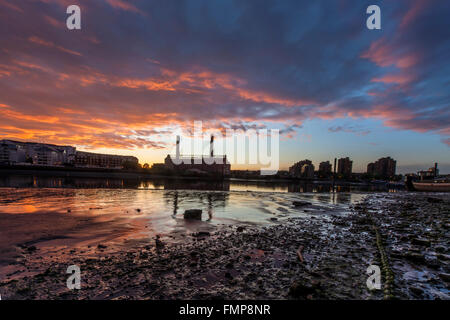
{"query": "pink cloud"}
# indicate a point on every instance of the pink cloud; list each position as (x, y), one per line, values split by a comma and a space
(446, 141)
(413, 12)
(10, 5)
(384, 54)
(127, 6)
(50, 44)
(400, 79)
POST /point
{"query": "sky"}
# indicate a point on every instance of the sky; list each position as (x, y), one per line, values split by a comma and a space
(139, 70)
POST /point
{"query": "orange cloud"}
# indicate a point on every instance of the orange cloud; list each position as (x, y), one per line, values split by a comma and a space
(384, 55)
(18, 115)
(149, 84)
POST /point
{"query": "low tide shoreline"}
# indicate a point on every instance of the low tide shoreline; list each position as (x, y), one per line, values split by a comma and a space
(405, 234)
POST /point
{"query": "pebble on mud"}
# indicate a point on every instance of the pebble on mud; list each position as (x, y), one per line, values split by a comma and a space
(299, 289)
(301, 203)
(194, 214)
(201, 234)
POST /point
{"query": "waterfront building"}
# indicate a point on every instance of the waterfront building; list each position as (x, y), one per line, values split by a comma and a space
(99, 160)
(209, 165)
(50, 155)
(383, 167)
(430, 173)
(302, 169)
(345, 167)
(325, 168)
(32, 153)
(371, 169)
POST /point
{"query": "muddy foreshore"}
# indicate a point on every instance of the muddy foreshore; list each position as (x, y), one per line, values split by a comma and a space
(406, 234)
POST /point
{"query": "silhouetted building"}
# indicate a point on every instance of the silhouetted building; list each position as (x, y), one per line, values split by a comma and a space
(43, 154)
(302, 169)
(32, 153)
(371, 169)
(325, 168)
(345, 167)
(430, 173)
(99, 160)
(383, 167)
(158, 167)
(212, 165)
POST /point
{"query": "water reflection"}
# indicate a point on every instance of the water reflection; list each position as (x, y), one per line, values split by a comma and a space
(210, 200)
(35, 181)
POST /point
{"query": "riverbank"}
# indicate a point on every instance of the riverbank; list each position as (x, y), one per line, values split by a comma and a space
(146, 174)
(405, 234)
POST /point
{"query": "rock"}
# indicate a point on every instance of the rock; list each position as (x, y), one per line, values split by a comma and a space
(240, 229)
(101, 246)
(193, 214)
(445, 277)
(193, 253)
(433, 264)
(434, 200)
(201, 234)
(299, 289)
(415, 257)
(31, 249)
(273, 219)
(301, 203)
(443, 257)
(159, 244)
(416, 291)
(421, 242)
(441, 249)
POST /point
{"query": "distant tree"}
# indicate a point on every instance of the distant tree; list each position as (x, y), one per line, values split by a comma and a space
(146, 166)
(129, 165)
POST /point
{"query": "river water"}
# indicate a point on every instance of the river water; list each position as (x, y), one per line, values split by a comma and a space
(60, 212)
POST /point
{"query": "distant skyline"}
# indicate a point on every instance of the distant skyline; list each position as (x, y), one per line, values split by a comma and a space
(138, 70)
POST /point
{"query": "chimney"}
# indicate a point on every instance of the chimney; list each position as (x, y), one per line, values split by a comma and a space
(435, 169)
(178, 148)
(211, 146)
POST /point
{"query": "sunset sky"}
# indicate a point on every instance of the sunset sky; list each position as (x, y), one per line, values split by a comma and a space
(139, 69)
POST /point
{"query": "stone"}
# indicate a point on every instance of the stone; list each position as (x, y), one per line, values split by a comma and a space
(434, 200)
(201, 234)
(193, 214)
(301, 203)
(416, 291)
(441, 249)
(415, 257)
(299, 289)
(445, 277)
(421, 242)
(442, 257)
